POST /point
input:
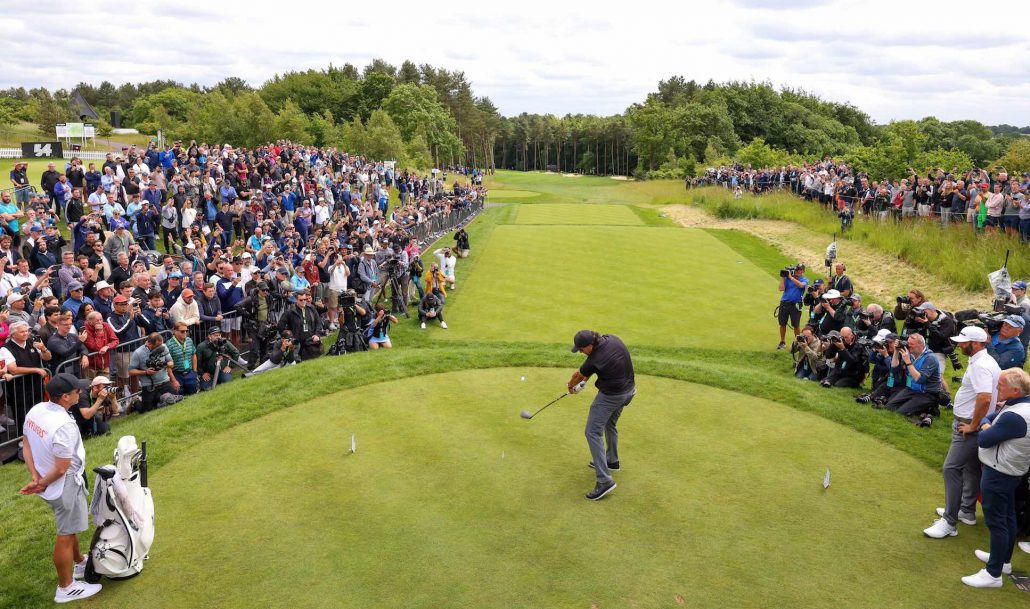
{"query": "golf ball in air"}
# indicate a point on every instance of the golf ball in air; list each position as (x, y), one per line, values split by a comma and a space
(522, 379)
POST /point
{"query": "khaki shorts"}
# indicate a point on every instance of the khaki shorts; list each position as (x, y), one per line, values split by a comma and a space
(121, 361)
(70, 509)
(333, 299)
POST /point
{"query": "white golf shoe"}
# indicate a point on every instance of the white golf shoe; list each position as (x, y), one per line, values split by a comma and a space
(985, 556)
(80, 568)
(76, 592)
(443, 324)
(940, 529)
(1024, 546)
(423, 325)
(962, 517)
(982, 579)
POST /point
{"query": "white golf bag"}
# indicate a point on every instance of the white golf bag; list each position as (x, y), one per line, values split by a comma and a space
(123, 511)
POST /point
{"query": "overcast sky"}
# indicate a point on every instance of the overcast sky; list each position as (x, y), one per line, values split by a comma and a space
(892, 59)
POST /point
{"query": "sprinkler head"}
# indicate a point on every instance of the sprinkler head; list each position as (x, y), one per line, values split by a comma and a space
(525, 414)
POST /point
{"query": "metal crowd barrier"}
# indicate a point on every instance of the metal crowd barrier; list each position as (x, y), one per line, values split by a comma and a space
(20, 394)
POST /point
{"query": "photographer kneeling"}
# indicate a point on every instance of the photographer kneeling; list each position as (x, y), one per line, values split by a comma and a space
(215, 358)
(918, 398)
(831, 314)
(905, 310)
(888, 374)
(284, 353)
(152, 365)
(873, 320)
(851, 363)
(812, 365)
(95, 408)
(431, 307)
(938, 327)
(793, 284)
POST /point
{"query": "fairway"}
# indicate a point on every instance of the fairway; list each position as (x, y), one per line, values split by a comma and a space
(658, 286)
(572, 214)
(452, 500)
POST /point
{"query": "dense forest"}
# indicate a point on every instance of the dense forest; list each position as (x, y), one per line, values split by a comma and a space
(424, 116)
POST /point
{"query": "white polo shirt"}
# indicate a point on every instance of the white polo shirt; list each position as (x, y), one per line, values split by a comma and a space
(981, 377)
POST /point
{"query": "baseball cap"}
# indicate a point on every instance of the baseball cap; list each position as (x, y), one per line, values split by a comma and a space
(1016, 321)
(102, 284)
(64, 383)
(13, 298)
(282, 270)
(187, 293)
(832, 334)
(925, 306)
(855, 296)
(262, 285)
(189, 246)
(971, 334)
(215, 329)
(1019, 285)
(175, 275)
(818, 282)
(120, 299)
(100, 380)
(582, 339)
(831, 294)
(74, 285)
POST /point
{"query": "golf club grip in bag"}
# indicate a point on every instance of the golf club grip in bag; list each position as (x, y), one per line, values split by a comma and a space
(123, 511)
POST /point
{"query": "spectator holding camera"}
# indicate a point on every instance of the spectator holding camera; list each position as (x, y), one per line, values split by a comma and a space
(888, 373)
(305, 325)
(811, 365)
(1005, 347)
(874, 320)
(431, 308)
(813, 296)
(840, 281)
(937, 327)
(793, 284)
(851, 363)
(284, 352)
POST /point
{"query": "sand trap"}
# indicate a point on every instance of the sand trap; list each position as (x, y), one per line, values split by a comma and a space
(880, 277)
(572, 175)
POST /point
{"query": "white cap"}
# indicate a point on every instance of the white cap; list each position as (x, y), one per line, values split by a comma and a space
(831, 294)
(971, 334)
(102, 284)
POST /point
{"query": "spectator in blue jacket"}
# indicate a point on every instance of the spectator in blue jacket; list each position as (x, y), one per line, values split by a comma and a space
(230, 292)
(147, 220)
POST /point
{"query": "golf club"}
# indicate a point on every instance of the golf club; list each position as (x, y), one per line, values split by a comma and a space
(525, 413)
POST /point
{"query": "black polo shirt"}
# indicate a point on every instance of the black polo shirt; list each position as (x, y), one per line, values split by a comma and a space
(610, 361)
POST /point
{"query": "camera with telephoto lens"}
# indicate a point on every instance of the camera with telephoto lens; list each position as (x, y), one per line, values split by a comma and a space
(904, 300)
(157, 358)
(348, 299)
(788, 271)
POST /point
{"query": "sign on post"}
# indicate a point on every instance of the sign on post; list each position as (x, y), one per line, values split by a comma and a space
(40, 150)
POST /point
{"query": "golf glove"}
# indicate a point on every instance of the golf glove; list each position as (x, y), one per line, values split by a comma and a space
(579, 387)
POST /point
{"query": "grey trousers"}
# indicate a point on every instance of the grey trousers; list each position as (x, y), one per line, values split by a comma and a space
(605, 411)
(961, 475)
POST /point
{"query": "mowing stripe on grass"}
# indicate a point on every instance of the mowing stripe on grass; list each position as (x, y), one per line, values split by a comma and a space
(577, 214)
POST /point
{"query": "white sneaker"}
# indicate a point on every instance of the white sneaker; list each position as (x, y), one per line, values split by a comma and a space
(1025, 546)
(7, 421)
(80, 568)
(982, 579)
(940, 529)
(985, 556)
(443, 324)
(75, 592)
(423, 325)
(963, 518)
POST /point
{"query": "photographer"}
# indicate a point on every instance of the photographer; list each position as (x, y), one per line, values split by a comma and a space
(215, 357)
(812, 365)
(793, 284)
(1005, 347)
(257, 313)
(874, 319)
(813, 296)
(96, 407)
(338, 272)
(155, 315)
(905, 310)
(461, 242)
(284, 352)
(938, 327)
(851, 363)
(305, 324)
(380, 335)
(431, 307)
(126, 321)
(831, 314)
(368, 274)
(355, 316)
(415, 271)
(888, 375)
(919, 396)
(152, 364)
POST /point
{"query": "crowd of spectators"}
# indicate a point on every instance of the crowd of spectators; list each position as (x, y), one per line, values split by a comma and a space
(903, 352)
(988, 200)
(266, 251)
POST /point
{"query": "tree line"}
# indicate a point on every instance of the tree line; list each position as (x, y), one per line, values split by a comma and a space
(426, 116)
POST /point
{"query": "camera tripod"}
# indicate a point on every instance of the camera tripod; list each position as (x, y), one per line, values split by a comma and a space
(398, 300)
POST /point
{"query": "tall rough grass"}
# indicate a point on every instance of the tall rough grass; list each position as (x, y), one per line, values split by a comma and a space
(956, 254)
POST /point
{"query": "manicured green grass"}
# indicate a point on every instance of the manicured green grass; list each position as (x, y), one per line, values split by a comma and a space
(11, 136)
(453, 500)
(719, 501)
(568, 213)
(554, 188)
(500, 194)
(957, 255)
(652, 286)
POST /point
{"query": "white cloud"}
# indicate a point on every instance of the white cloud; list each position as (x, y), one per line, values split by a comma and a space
(893, 60)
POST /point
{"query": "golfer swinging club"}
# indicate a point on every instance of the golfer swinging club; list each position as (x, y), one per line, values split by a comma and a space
(608, 358)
